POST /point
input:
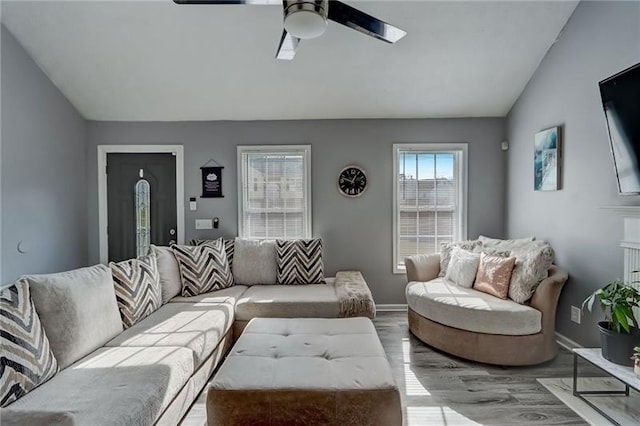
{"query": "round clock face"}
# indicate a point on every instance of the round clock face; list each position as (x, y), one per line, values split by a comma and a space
(352, 181)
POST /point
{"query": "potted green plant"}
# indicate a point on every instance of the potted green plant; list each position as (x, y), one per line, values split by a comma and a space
(619, 332)
(636, 360)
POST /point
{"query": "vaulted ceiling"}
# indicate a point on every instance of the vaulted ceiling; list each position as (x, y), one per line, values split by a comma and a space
(158, 61)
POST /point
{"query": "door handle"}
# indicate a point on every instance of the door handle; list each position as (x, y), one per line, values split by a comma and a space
(172, 232)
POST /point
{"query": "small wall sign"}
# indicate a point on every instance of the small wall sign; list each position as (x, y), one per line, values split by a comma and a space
(211, 182)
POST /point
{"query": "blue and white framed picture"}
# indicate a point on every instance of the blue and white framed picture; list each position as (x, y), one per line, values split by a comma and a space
(547, 160)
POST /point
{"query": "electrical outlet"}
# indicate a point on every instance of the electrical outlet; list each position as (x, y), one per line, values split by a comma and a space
(204, 224)
(575, 314)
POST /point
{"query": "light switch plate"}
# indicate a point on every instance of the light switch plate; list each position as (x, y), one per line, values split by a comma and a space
(575, 314)
(204, 224)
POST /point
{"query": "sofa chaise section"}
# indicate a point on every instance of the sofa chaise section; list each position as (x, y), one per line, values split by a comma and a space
(115, 386)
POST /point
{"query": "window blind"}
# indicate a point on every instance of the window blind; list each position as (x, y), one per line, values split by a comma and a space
(275, 200)
(428, 196)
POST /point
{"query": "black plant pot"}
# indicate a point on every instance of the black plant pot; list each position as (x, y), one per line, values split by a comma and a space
(618, 347)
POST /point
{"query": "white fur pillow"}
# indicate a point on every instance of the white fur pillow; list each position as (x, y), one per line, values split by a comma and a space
(533, 261)
(463, 267)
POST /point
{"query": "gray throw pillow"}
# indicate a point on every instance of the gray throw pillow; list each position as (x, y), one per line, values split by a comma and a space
(254, 262)
(78, 310)
(168, 271)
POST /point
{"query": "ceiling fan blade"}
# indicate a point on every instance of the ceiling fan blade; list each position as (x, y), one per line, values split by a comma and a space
(250, 2)
(360, 21)
(287, 47)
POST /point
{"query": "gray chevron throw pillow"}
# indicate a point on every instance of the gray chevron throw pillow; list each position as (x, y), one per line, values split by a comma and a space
(137, 286)
(229, 246)
(203, 268)
(299, 262)
(26, 360)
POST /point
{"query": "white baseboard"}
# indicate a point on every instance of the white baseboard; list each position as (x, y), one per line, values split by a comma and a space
(566, 343)
(391, 308)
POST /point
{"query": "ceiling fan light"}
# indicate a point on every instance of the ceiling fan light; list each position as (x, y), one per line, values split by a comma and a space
(305, 24)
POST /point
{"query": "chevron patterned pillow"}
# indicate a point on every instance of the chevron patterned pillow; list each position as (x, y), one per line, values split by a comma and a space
(203, 268)
(26, 360)
(229, 246)
(299, 261)
(137, 286)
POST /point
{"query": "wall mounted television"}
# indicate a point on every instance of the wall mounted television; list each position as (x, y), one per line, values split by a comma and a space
(620, 95)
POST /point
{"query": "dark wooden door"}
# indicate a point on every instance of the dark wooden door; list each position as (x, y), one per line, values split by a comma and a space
(123, 173)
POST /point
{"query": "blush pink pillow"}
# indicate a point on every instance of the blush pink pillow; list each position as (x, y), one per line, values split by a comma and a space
(494, 275)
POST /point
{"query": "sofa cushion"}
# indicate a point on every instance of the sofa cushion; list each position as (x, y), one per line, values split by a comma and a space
(463, 267)
(137, 287)
(289, 301)
(254, 262)
(494, 275)
(168, 271)
(78, 310)
(229, 246)
(115, 386)
(203, 268)
(471, 310)
(27, 360)
(447, 248)
(198, 327)
(226, 295)
(299, 262)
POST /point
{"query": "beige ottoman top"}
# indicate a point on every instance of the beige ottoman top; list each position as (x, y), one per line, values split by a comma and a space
(306, 354)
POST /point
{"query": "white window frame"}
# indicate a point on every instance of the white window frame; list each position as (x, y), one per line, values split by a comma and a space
(460, 150)
(275, 149)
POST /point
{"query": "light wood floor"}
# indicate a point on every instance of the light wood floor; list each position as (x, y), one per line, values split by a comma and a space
(438, 389)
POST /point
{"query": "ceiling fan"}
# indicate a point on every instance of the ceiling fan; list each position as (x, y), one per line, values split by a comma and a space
(305, 19)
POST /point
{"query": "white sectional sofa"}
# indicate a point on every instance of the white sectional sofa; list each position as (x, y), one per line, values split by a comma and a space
(151, 372)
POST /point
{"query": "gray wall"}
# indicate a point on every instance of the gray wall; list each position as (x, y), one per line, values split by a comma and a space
(357, 232)
(43, 170)
(600, 39)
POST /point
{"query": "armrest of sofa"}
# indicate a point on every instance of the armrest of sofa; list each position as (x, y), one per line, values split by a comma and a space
(422, 267)
(545, 299)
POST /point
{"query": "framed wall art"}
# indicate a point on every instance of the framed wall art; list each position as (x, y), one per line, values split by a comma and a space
(547, 158)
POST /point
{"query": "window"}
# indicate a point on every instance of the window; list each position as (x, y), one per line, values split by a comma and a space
(143, 222)
(274, 199)
(429, 198)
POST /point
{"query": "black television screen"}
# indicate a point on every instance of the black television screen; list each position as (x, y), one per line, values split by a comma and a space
(621, 102)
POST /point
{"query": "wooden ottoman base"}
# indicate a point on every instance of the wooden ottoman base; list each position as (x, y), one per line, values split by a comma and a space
(305, 371)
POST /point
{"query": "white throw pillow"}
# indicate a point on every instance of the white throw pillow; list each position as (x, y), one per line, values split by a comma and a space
(463, 267)
(446, 249)
(254, 262)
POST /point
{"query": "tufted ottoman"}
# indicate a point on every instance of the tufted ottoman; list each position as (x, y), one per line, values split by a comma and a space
(305, 371)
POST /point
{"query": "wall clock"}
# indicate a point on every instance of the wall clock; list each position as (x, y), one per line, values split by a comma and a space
(352, 181)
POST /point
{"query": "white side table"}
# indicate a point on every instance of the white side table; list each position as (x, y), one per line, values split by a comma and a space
(620, 372)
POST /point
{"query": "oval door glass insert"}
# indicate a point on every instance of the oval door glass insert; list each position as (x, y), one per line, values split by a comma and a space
(143, 222)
